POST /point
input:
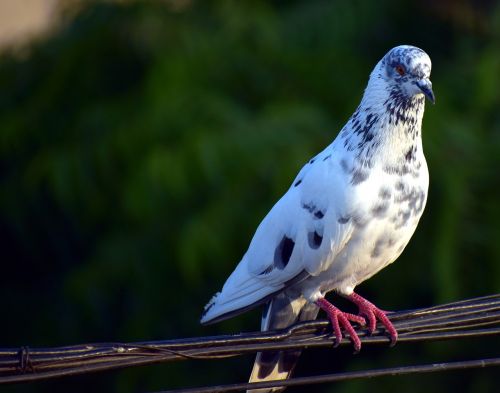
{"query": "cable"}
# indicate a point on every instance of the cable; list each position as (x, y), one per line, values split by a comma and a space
(478, 317)
(419, 369)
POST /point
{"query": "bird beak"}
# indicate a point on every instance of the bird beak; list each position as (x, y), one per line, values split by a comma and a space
(426, 86)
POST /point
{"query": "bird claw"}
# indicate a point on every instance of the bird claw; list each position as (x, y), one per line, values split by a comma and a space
(372, 314)
(368, 314)
(342, 319)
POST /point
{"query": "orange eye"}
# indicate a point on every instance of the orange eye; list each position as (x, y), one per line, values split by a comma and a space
(400, 69)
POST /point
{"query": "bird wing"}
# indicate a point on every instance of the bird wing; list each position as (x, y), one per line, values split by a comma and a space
(299, 237)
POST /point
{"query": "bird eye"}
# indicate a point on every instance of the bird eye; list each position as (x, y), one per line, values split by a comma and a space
(400, 69)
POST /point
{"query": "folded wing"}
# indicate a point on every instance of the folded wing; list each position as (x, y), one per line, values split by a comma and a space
(298, 238)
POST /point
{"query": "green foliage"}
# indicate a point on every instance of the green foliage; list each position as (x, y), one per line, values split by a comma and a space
(140, 147)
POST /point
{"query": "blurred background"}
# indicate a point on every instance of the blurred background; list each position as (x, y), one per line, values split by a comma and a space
(141, 143)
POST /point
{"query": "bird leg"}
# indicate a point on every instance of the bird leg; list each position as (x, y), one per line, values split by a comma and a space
(372, 313)
(339, 318)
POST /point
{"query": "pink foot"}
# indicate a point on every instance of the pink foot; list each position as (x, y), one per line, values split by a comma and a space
(372, 313)
(339, 318)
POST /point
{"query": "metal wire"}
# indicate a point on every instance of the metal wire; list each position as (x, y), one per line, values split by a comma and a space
(426, 368)
(478, 317)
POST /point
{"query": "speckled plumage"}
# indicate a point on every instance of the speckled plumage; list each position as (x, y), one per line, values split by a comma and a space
(350, 211)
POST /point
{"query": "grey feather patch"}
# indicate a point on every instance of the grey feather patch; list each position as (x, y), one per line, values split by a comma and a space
(377, 250)
(401, 218)
(400, 185)
(360, 220)
(359, 176)
(413, 198)
(380, 209)
(309, 207)
(283, 252)
(345, 166)
(267, 270)
(385, 193)
(358, 173)
(401, 170)
(317, 213)
(343, 220)
(314, 240)
(382, 244)
(411, 154)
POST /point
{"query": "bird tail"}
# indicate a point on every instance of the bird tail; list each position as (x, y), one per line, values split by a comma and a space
(280, 312)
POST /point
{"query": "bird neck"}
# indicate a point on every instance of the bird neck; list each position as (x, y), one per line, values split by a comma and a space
(386, 127)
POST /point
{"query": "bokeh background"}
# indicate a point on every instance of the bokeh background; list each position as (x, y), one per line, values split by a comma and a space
(141, 143)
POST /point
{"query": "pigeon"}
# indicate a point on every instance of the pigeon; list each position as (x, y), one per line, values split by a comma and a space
(349, 213)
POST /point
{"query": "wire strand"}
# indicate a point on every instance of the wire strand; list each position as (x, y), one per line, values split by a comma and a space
(394, 371)
(478, 317)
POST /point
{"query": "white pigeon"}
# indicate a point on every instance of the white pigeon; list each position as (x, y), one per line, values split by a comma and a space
(350, 212)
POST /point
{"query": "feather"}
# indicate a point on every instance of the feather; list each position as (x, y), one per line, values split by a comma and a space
(280, 312)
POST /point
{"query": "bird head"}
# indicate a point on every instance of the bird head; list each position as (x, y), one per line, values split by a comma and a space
(407, 70)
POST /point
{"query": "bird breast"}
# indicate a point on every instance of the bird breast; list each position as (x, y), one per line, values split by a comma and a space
(385, 206)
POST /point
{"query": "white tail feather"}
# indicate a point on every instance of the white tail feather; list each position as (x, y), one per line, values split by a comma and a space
(241, 290)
